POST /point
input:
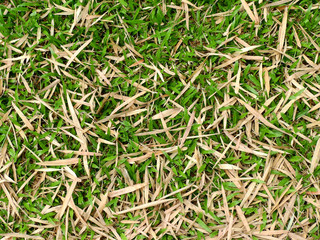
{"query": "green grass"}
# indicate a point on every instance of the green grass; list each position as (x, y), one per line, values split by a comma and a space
(222, 161)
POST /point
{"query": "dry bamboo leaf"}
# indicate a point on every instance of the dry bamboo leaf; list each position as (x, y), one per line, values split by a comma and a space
(186, 10)
(273, 4)
(133, 50)
(51, 85)
(260, 77)
(81, 153)
(103, 77)
(10, 60)
(156, 131)
(286, 107)
(296, 37)
(136, 63)
(229, 167)
(140, 159)
(229, 62)
(77, 52)
(63, 8)
(315, 107)
(25, 83)
(61, 212)
(191, 4)
(60, 162)
(186, 133)
(295, 236)
(4, 117)
(270, 232)
(243, 43)
(173, 52)
(243, 218)
(79, 133)
(192, 78)
(20, 235)
(238, 80)
(310, 38)
(129, 100)
(126, 190)
(1, 84)
(249, 12)
(23, 117)
(158, 72)
(315, 158)
(166, 113)
(143, 206)
(128, 80)
(250, 48)
(267, 81)
(12, 202)
(123, 114)
(260, 117)
(282, 30)
(100, 140)
(198, 70)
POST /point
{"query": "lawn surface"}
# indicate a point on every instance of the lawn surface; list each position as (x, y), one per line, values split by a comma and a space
(159, 120)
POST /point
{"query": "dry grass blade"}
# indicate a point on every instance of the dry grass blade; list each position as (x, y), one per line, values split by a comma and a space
(72, 58)
(192, 78)
(315, 157)
(19, 235)
(126, 190)
(81, 153)
(259, 116)
(61, 212)
(229, 62)
(228, 167)
(267, 81)
(79, 133)
(186, 133)
(277, 3)
(103, 77)
(23, 117)
(61, 162)
(5, 117)
(136, 63)
(311, 40)
(143, 206)
(166, 113)
(250, 13)
(282, 30)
